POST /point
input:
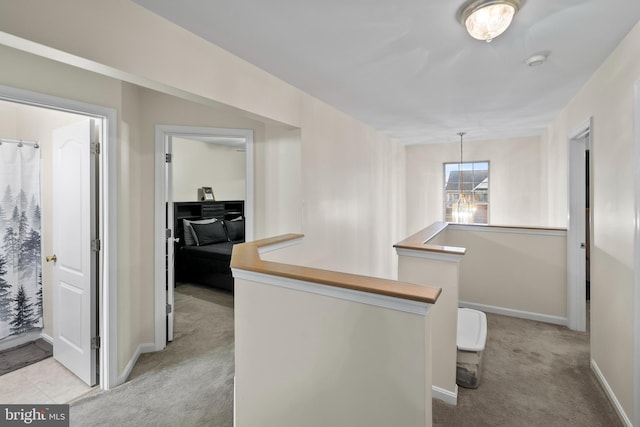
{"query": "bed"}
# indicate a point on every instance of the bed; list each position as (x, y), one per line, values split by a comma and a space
(207, 232)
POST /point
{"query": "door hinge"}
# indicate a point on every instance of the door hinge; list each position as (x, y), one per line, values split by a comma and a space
(167, 157)
(95, 343)
(169, 308)
(167, 233)
(95, 245)
(95, 148)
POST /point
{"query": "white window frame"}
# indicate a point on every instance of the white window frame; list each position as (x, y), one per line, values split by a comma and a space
(444, 187)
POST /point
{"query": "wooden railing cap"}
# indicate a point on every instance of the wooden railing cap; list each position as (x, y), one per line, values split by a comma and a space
(246, 256)
(418, 241)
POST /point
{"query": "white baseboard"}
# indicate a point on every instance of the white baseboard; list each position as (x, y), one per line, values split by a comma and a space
(142, 348)
(539, 317)
(445, 395)
(47, 338)
(612, 397)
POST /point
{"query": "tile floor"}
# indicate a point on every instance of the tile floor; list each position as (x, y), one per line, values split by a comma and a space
(43, 382)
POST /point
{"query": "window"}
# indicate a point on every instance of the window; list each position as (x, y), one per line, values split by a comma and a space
(472, 180)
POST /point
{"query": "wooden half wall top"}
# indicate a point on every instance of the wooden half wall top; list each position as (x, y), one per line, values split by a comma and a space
(246, 256)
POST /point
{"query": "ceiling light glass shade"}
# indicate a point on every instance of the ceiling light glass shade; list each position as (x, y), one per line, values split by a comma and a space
(487, 19)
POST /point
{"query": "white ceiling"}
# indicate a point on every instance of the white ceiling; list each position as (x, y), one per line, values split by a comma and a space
(408, 68)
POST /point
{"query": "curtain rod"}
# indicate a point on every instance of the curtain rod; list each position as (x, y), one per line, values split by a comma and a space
(20, 142)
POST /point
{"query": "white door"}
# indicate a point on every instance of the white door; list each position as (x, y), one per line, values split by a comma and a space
(171, 282)
(74, 228)
(576, 234)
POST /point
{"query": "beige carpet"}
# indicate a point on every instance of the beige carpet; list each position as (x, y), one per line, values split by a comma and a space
(189, 383)
(535, 374)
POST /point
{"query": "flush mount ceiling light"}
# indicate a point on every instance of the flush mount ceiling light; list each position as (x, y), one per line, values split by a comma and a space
(487, 19)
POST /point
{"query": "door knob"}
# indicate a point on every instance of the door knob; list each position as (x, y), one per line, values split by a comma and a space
(53, 258)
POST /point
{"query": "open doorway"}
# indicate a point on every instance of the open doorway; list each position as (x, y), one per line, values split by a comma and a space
(579, 228)
(587, 219)
(636, 265)
(49, 219)
(230, 203)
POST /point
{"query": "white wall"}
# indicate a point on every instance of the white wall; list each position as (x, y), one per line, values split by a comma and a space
(132, 310)
(340, 363)
(515, 183)
(203, 164)
(608, 99)
(443, 272)
(142, 109)
(281, 172)
(534, 284)
(9, 120)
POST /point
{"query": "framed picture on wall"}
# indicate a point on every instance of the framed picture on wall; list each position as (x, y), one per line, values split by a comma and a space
(206, 194)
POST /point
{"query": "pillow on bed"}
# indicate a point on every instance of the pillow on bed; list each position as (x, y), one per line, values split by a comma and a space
(189, 239)
(235, 229)
(208, 234)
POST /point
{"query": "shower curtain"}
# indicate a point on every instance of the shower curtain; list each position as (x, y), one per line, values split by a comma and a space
(20, 249)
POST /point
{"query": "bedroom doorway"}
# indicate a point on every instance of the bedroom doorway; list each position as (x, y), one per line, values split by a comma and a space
(579, 228)
(166, 137)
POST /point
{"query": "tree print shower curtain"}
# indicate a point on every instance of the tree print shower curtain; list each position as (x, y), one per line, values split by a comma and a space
(20, 249)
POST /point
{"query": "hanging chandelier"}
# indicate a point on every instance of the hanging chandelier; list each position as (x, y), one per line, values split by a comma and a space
(464, 208)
